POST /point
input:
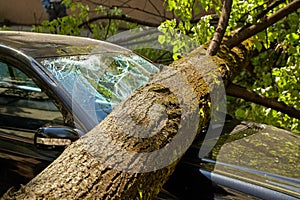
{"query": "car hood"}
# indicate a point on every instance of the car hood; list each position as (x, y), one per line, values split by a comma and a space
(254, 154)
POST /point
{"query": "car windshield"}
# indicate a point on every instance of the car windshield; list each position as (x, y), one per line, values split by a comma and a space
(98, 82)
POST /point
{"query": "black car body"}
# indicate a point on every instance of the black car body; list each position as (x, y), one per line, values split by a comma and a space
(40, 110)
(248, 161)
(40, 114)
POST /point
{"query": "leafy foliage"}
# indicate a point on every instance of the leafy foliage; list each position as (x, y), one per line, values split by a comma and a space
(76, 23)
(275, 68)
(275, 74)
(182, 33)
(4, 28)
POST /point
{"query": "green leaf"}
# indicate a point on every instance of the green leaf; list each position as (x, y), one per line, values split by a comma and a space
(257, 45)
(161, 39)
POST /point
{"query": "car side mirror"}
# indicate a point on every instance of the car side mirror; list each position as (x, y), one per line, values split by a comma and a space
(54, 137)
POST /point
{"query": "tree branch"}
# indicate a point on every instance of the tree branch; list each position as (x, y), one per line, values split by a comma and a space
(120, 17)
(155, 8)
(130, 19)
(272, 5)
(250, 31)
(125, 6)
(221, 28)
(240, 92)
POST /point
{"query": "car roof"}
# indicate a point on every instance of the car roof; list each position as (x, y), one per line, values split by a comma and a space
(39, 45)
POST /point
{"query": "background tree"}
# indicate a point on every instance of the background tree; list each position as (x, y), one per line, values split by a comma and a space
(251, 36)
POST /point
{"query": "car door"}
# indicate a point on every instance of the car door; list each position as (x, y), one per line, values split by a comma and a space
(24, 108)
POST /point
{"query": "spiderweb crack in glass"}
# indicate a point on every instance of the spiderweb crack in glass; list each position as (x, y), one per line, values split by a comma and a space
(103, 79)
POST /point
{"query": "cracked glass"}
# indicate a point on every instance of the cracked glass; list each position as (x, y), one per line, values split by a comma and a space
(97, 82)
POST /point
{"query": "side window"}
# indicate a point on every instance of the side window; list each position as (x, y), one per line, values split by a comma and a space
(23, 106)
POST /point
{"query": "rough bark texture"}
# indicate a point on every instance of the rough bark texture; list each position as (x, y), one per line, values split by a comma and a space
(79, 174)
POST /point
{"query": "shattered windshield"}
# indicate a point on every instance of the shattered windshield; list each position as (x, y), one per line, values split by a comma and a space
(100, 81)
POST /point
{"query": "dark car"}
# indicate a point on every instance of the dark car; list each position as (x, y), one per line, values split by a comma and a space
(54, 89)
(248, 161)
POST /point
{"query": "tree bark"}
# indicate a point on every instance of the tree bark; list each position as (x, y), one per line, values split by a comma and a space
(221, 28)
(90, 167)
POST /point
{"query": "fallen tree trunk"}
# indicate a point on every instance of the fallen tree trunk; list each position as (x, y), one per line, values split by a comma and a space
(120, 158)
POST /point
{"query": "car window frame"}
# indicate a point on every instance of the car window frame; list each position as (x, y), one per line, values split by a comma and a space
(31, 68)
